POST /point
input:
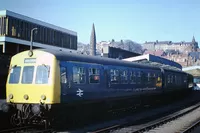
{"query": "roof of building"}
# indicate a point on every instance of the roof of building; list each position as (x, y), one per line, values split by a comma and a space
(155, 60)
(32, 20)
(195, 55)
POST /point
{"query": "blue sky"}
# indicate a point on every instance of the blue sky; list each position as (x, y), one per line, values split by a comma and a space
(138, 20)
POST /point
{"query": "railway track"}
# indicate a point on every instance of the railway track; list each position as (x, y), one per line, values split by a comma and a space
(182, 121)
(153, 126)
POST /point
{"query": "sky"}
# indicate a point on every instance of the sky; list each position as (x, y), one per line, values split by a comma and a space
(137, 20)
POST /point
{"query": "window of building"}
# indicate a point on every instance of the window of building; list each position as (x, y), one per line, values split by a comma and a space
(94, 76)
(63, 75)
(79, 75)
(27, 76)
(42, 74)
(124, 77)
(114, 74)
(132, 77)
(14, 75)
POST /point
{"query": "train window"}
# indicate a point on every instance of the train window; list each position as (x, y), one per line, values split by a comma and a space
(171, 78)
(27, 76)
(14, 75)
(78, 75)
(42, 74)
(185, 79)
(149, 77)
(114, 74)
(168, 78)
(63, 75)
(124, 77)
(94, 75)
(132, 77)
(139, 77)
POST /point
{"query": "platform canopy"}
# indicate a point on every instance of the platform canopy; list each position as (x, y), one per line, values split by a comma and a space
(194, 70)
(155, 61)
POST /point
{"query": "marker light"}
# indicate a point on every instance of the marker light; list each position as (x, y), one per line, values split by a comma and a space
(10, 96)
(26, 97)
(43, 97)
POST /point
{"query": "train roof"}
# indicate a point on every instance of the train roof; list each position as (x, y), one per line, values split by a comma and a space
(72, 55)
(69, 55)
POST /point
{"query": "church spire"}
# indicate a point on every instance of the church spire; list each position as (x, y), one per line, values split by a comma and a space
(193, 40)
(93, 41)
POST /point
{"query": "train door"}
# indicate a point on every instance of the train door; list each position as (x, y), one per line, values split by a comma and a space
(64, 80)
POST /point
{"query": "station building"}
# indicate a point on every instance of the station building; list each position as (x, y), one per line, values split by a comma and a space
(15, 36)
(117, 53)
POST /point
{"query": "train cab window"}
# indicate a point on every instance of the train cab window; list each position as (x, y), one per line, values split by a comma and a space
(78, 75)
(114, 75)
(63, 75)
(94, 75)
(132, 77)
(27, 76)
(14, 75)
(42, 74)
(124, 77)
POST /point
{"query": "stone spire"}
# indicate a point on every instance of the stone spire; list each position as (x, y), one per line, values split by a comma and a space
(193, 40)
(93, 42)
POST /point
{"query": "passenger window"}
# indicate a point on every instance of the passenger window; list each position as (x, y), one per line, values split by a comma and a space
(139, 77)
(78, 75)
(14, 75)
(132, 77)
(63, 75)
(42, 74)
(94, 75)
(27, 76)
(168, 78)
(172, 78)
(114, 76)
(124, 77)
(149, 77)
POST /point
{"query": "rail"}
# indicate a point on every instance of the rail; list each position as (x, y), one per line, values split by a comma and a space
(151, 125)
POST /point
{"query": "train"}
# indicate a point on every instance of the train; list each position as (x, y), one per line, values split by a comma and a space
(42, 81)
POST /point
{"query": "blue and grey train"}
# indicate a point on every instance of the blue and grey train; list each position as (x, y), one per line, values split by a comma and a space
(42, 80)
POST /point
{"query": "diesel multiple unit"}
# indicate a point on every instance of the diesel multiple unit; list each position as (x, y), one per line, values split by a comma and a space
(41, 80)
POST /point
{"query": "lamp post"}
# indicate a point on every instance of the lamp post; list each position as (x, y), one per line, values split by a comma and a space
(31, 47)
